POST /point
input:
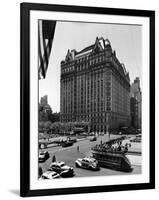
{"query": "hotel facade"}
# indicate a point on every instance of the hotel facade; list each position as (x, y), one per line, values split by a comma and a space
(95, 88)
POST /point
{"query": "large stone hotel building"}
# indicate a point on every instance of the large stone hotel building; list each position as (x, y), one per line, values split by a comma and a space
(95, 88)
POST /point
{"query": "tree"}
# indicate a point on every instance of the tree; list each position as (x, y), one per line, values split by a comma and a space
(45, 112)
(41, 126)
(54, 117)
(47, 125)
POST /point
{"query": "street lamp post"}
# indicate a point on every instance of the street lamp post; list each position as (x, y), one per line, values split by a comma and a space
(107, 125)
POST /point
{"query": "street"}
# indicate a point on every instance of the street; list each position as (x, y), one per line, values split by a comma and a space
(70, 154)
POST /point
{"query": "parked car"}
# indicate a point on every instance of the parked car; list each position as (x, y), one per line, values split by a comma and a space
(139, 136)
(43, 156)
(136, 139)
(93, 139)
(87, 163)
(49, 175)
(122, 130)
(74, 140)
(138, 131)
(67, 143)
(62, 169)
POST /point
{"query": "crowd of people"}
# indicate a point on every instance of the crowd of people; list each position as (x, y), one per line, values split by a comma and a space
(114, 146)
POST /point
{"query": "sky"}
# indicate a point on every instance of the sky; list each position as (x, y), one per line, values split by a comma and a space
(126, 40)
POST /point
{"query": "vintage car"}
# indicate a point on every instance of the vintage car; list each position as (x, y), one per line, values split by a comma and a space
(67, 143)
(62, 169)
(74, 140)
(49, 175)
(87, 163)
(43, 156)
(93, 138)
(136, 139)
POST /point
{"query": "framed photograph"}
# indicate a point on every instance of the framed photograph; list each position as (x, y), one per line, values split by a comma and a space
(87, 99)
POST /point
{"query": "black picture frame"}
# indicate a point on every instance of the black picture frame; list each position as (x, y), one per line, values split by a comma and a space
(25, 9)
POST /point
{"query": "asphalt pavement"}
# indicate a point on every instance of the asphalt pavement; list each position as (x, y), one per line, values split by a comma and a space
(70, 154)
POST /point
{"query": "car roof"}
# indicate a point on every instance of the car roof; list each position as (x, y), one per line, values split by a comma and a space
(89, 159)
(49, 173)
(43, 151)
(58, 163)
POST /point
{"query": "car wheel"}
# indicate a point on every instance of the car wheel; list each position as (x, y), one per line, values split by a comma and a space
(90, 168)
(76, 165)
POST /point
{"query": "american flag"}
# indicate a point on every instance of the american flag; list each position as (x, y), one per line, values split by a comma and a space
(46, 31)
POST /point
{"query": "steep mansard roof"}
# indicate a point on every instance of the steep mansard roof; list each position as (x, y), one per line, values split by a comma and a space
(99, 45)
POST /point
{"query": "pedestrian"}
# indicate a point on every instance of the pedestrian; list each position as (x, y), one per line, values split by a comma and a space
(126, 148)
(78, 148)
(119, 148)
(53, 158)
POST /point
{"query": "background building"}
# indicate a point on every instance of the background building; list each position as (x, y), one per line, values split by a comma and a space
(44, 100)
(135, 104)
(45, 111)
(95, 88)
